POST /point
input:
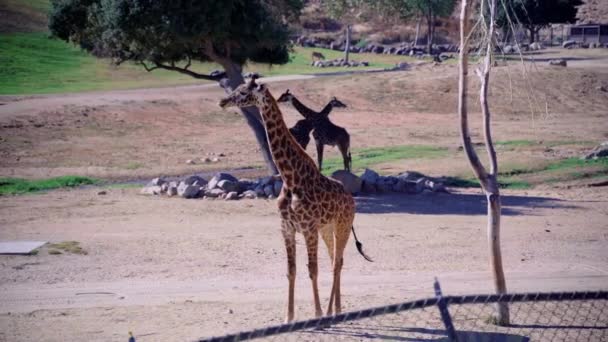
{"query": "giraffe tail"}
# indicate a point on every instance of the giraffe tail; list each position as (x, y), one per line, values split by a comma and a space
(360, 246)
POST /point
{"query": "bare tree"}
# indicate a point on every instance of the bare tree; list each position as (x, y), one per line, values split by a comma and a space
(488, 180)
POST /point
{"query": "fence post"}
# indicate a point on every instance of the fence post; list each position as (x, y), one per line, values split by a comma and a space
(445, 314)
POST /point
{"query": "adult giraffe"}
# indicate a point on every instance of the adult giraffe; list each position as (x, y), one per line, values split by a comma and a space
(309, 202)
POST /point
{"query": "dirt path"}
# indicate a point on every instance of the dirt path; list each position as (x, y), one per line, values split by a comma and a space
(173, 269)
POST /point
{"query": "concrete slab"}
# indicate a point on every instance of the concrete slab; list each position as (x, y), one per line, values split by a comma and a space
(19, 247)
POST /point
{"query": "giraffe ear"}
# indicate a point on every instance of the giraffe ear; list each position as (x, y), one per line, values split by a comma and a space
(287, 91)
(261, 87)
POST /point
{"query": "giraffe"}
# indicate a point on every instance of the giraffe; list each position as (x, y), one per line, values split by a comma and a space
(309, 202)
(301, 132)
(325, 132)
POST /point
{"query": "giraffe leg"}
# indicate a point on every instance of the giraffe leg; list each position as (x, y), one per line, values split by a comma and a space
(319, 153)
(312, 244)
(344, 149)
(341, 238)
(289, 235)
(327, 233)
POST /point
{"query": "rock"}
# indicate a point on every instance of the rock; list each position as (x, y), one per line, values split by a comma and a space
(600, 151)
(267, 180)
(215, 160)
(190, 162)
(368, 187)
(172, 189)
(206, 160)
(188, 191)
(219, 177)
(365, 63)
(601, 88)
(350, 181)
(102, 192)
(558, 62)
(370, 176)
(259, 191)
(232, 195)
(403, 66)
(195, 180)
(536, 46)
(245, 184)
(269, 190)
(410, 175)
(151, 190)
(272, 197)
(434, 185)
(250, 194)
(569, 44)
(214, 193)
(277, 187)
(228, 186)
(157, 182)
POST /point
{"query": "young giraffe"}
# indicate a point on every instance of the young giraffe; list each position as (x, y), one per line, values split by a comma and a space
(301, 130)
(309, 203)
(325, 132)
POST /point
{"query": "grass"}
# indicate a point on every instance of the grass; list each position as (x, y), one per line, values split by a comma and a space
(369, 157)
(33, 63)
(72, 247)
(15, 186)
(563, 170)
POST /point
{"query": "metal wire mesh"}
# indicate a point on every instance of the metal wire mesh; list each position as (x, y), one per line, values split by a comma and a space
(566, 316)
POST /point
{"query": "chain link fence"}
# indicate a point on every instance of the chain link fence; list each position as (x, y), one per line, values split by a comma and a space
(564, 316)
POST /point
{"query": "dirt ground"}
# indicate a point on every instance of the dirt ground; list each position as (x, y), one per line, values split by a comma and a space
(174, 269)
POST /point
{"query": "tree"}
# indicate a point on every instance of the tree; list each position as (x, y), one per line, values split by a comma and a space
(592, 12)
(487, 179)
(344, 9)
(536, 14)
(163, 34)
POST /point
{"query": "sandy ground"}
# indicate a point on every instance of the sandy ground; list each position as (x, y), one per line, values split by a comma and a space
(174, 270)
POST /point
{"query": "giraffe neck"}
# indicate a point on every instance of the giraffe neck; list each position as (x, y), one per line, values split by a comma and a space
(302, 109)
(326, 110)
(294, 164)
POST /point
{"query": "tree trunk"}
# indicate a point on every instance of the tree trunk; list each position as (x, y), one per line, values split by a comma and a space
(418, 21)
(347, 47)
(429, 32)
(532, 34)
(488, 181)
(252, 115)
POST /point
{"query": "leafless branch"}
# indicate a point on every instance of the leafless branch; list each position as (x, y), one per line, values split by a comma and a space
(183, 70)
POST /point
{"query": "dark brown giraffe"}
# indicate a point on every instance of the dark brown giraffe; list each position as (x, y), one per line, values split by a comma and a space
(309, 203)
(324, 131)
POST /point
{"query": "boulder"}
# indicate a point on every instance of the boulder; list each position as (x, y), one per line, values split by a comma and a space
(600, 151)
(195, 180)
(214, 193)
(277, 187)
(434, 186)
(370, 176)
(232, 195)
(188, 191)
(410, 175)
(156, 182)
(250, 194)
(558, 62)
(269, 190)
(350, 181)
(172, 189)
(228, 186)
(569, 44)
(365, 63)
(536, 46)
(151, 190)
(259, 190)
(219, 177)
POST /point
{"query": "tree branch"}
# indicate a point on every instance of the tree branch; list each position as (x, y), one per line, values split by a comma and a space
(183, 70)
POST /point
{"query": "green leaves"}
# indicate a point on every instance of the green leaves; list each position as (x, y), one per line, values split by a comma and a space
(170, 31)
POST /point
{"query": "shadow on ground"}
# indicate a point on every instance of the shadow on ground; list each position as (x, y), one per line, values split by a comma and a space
(414, 334)
(453, 204)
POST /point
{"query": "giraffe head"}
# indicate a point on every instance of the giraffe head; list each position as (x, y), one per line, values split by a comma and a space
(246, 95)
(336, 103)
(285, 97)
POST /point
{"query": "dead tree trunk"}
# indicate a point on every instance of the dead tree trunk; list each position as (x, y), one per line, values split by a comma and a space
(347, 48)
(488, 181)
(418, 21)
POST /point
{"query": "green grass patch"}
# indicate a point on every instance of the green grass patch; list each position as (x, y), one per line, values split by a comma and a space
(72, 247)
(369, 157)
(516, 143)
(15, 186)
(34, 63)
